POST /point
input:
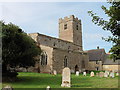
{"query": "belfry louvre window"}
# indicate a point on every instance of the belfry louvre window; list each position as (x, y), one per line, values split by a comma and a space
(65, 61)
(65, 26)
(43, 58)
(77, 27)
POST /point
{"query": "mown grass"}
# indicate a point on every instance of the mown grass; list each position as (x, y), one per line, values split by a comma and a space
(39, 80)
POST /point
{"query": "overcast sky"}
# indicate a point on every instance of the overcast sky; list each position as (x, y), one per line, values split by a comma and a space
(42, 17)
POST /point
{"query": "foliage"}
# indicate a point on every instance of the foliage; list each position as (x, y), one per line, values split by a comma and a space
(18, 49)
(112, 25)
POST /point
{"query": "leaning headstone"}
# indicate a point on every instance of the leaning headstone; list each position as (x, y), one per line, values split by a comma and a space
(92, 74)
(7, 88)
(84, 73)
(117, 74)
(97, 74)
(101, 74)
(48, 88)
(66, 77)
(54, 72)
(112, 74)
(77, 73)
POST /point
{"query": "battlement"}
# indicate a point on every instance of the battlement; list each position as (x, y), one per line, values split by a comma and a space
(70, 18)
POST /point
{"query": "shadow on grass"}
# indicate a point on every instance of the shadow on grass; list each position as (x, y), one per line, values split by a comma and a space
(38, 80)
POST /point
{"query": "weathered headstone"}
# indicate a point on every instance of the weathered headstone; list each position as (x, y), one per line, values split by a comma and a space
(7, 88)
(105, 74)
(92, 74)
(48, 88)
(101, 74)
(66, 77)
(54, 72)
(84, 73)
(117, 74)
(77, 73)
(97, 74)
(112, 74)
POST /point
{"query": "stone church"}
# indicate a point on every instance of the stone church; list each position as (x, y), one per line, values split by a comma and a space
(65, 51)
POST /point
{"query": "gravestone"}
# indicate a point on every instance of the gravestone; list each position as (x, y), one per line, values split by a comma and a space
(92, 74)
(66, 77)
(101, 74)
(112, 74)
(77, 73)
(117, 74)
(97, 74)
(7, 88)
(105, 74)
(54, 72)
(84, 73)
(48, 88)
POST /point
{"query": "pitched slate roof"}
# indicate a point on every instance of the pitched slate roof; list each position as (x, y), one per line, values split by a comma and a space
(96, 54)
(109, 61)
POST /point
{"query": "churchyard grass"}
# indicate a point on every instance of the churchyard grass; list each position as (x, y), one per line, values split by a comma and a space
(39, 80)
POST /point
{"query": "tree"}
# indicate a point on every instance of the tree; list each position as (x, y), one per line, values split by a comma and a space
(18, 49)
(112, 25)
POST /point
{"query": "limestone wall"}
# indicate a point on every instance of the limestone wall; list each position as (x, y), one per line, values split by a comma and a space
(111, 67)
(86, 59)
(54, 42)
(93, 65)
(47, 68)
(74, 58)
(73, 32)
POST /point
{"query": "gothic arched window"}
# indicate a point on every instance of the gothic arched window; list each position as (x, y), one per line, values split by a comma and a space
(43, 58)
(77, 27)
(65, 61)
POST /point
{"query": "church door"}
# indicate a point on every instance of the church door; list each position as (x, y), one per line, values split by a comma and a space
(76, 68)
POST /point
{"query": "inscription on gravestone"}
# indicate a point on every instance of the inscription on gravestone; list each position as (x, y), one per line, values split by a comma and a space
(66, 77)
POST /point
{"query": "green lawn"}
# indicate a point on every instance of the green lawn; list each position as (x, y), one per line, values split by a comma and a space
(38, 80)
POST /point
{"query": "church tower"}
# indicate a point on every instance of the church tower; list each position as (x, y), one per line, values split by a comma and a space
(70, 30)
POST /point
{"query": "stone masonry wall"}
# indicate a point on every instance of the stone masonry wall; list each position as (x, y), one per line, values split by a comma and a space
(93, 65)
(111, 67)
(74, 58)
(47, 68)
(73, 32)
(54, 42)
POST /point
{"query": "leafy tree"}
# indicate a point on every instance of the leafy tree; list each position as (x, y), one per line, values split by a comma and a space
(18, 49)
(112, 25)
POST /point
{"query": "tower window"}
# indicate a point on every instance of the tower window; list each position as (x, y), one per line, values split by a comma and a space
(77, 27)
(65, 26)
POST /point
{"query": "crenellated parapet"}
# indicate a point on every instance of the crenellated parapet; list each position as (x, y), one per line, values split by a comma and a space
(69, 18)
